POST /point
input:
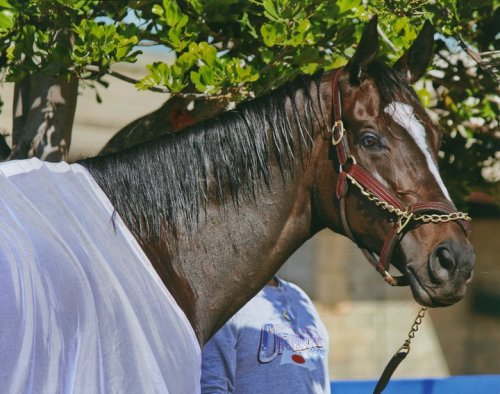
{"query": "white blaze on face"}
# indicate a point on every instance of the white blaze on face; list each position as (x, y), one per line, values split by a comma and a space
(404, 116)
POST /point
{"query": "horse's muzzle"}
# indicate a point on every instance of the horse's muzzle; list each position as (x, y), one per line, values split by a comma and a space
(444, 280)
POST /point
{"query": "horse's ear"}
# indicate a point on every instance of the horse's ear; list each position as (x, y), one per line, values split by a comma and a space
(416, 59)
(365, 52)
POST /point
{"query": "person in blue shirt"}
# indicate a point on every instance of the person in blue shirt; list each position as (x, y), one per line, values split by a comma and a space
(276, 343)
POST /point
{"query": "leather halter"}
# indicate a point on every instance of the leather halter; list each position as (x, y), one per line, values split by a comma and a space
(409, 215)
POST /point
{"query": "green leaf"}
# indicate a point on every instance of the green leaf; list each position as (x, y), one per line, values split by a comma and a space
(310, 68)
(270, 10)
(207, 75)
(347, 5)
(158, 10)
(400, 24)
(425, 97)
(8, 18)
(245, 22)
(172, 14)
(196, 80)
(273, 33)
(304, 25)
(207, 53)
(5, 4)
(338, 61)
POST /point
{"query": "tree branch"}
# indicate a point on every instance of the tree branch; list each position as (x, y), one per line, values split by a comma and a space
(386, 39)
(476, 56)
(157, 89)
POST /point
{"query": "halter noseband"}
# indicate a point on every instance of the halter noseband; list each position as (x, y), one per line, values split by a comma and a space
(408, 215)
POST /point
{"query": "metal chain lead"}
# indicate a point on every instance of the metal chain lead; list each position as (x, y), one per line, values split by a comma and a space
(405, 348)
(425, 218)
(415, 325)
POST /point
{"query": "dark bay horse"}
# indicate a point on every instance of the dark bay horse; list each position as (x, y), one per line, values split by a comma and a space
(218, 208)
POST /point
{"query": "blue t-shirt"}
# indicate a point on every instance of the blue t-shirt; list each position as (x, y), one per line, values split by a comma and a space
(275, 344)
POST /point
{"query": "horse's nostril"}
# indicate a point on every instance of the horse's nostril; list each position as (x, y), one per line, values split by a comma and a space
(451, 263)
(445, 259)
(442, 264)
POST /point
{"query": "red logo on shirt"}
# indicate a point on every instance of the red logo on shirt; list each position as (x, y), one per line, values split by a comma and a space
(298, 359)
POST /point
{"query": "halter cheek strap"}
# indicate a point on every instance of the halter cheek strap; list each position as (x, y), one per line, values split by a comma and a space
(408, 216)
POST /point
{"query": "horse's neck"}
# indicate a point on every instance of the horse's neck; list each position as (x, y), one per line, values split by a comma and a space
(215, 257)
(233, 250)
(234, 253)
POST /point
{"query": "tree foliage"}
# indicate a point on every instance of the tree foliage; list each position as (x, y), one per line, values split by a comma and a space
(237, 49)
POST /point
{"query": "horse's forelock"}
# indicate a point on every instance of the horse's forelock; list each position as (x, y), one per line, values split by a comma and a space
(393, 87)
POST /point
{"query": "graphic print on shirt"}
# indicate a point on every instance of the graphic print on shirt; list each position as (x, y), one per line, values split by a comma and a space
(299, 347)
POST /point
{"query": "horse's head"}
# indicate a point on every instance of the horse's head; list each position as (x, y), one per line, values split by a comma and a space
(391, 199)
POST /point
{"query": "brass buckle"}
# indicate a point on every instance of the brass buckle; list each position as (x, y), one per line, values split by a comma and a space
(338, 123)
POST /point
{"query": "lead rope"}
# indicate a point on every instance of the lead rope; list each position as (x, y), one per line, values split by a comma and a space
(399, 355)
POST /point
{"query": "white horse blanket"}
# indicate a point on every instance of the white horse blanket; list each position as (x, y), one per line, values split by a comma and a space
(81, 308)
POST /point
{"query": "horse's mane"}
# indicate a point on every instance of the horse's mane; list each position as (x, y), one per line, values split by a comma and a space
(225, 158)
(393, 86)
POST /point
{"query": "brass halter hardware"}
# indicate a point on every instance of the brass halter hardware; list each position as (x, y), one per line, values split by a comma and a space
(340, 126)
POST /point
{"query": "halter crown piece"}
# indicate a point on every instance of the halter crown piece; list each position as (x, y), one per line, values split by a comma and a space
(408, 215)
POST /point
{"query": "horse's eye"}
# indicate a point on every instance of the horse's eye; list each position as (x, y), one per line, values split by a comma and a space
(370, 140)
